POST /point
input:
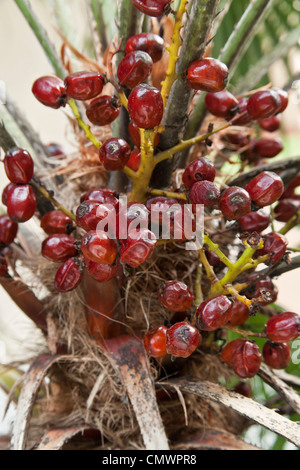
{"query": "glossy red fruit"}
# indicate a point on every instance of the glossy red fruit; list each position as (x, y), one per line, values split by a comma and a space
(133, 216)
(138, 247)
(283, 327)
(235, 202)
(199, 170)
(5, 192)
(204, 192)
(268, 148)
(99, 247)
(176, 296)
(145, 106)
(214, 313)
(214, 260)
(56, 222)
(84, 85)
(18, 165)
(284, 99)
(134, 160)
(8, 230)
(271, 124)
(89, 213)
(153, 8)
(103, 195)
(263, 104)
(155, 342)
(243, 356)
(103, 110)
(134, 69)
(222, 104)
(182, 339)
(160, 205)
(135, 135)
(237, 139)
(207, 74)
(265, 188)
(276, 355)
(50, 91)
(58, 248)
(68, 276)
(275, 245)
(147, 42)
(242, 118)
(3, 266)
(256, 221)
(21, 203)
(240, 313)
(103, 272)
(114, 154)
(286, 209)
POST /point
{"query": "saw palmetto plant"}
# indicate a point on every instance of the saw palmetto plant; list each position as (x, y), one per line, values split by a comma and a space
(148, 257)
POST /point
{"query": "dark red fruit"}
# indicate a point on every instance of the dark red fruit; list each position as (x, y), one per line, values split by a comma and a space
(50, 91)
(84, 85)
(103, 272)
(56, 222)
(138, 247)
(103, 195)
(8, 230)
(135, 135)
(90, 213)
(3, 266)
(237, 139)
(58, 248)
(275, 245)
(133, 216)
(103, 110)
(262, 290)
(263, 104)
(271, 124)
(204, 192)
(243, 356)
(214, 260)
(242, 117)
(68, 276)
(18, 165)
(154, 8)
(286, 209)
(222, 104)
(176, 296)
(276, 355)
(254, 221)
(240, 313)
(265, 188)
(244, 388)
(134, 69)
(283, 327)
(145, 106)
(134, 160)
(284, 99)
(5, 192)
(114, 154)
(234, 203)
(214, 313)
(21, 203)
(158, 206)
(99, 247)
(147, 42)
(268, 148)
(207, 74)
(182, 339)
(199, 170)
(155, 342)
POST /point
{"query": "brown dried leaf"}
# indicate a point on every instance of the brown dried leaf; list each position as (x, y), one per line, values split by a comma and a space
(55, 439)
(214, 439)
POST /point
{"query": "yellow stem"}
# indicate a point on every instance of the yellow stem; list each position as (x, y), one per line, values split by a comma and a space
(142, 177)
(295, 220)
(55, 203)
(170, 194)
(83, 125)
(215, 249)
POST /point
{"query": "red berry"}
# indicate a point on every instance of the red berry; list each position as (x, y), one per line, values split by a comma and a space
(58, 247)
(84, 85)
(103, 110)
(145, 106)
(68, 276)
(275, 245)
(90, 213)
(207, 74)
(154, 8)
(204, 192)
(135, 135)
(21, 203)
(199, 170)
(265, 188)
(242, 117)
(214, 313)
(134, 69)
(18, 165)
(103, 272)
(282, 327)
(238, 139)
(240, 313)
(234, 203)
(263, 291)
(213, 259)
(263, 104)
(286, 209)
(134, 160)
(50, 91)
(158, 206)
(147, 42)
(276, 355)
(138, 247)
(155, 342)
(243, 356)
(268, 148)
(99, 247)
(56, 222)
(222, 104)
(270, 124)
(182, 339)
(254, 221)
(176, 296)
(114, 154)
(103, 195)
(3, 266)
(8, 230)
(133, 216)
(5, 192)
(284, 99)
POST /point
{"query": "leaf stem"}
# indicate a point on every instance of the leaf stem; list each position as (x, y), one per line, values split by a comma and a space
(82, 124)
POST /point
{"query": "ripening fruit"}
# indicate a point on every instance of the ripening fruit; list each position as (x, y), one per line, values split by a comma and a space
(134, 160)
(204, 192)
(103, 195)
(265, 189)
(242, 117)
(18, 165)
(256, 221)
(58, 248)
(155, 342)
(151, 43)
(243, 356)
(199, 170)
(138, 247)
(50, 91)
(68, 276)
(89, 213)
(145, 106)
(207, 74)
(103, 272)
(271, 124)
(222, 104)
(99, 247)
(160, 205)
(282, 327)
(286, 209)
(268, 148)
(21, 203)
(182, 339)
(235, 202)
(8, 230)
(275, 245)
(134, 69)
(240, 313)
(176, 296)
(214, 313)
(103, 110)
(154, 8)
(56, 222)
(276, 355)
(263, 104)
(135, 135)
(114, 154)
(284, 99)
(84, 85)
